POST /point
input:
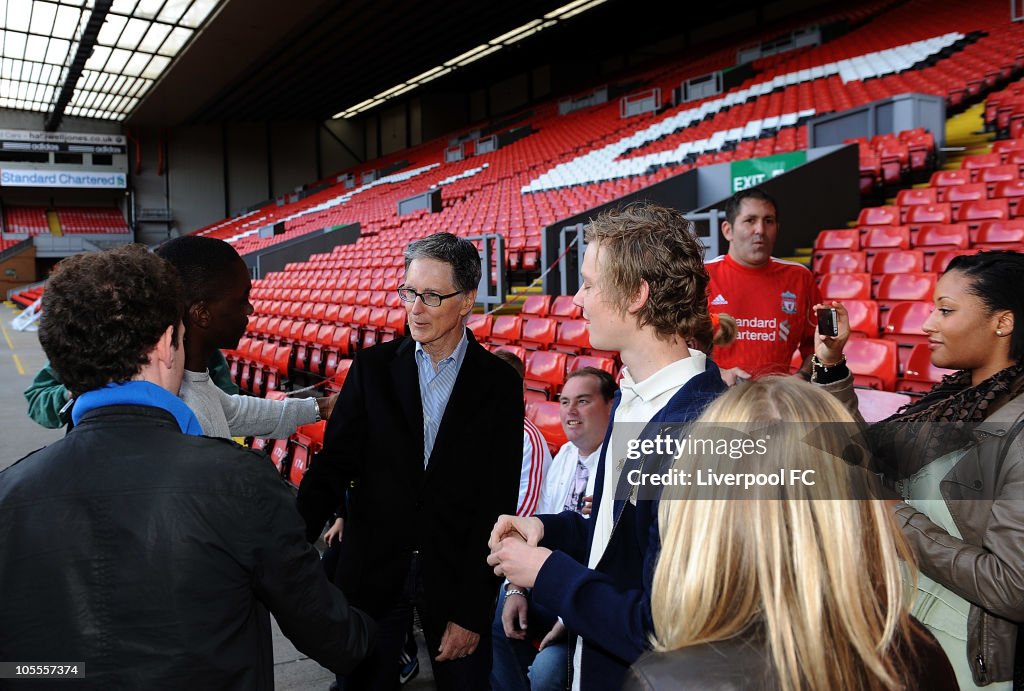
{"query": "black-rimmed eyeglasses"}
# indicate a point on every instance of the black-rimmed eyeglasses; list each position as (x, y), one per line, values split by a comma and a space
(429, 298)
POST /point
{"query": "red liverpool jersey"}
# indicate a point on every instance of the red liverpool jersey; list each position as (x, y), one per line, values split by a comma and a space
(773, 307)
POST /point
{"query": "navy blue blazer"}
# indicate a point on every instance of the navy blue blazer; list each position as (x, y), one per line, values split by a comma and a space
(610, 607)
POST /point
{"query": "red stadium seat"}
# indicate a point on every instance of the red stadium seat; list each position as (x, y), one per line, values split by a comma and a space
(904, 322)
(895, 288)
(930, 213)
(605, 363)
(839, 262)
(957, 194)
(1011, 191)
(316, 360)
(480, 325)
(983, 210)
(938, 262)
(1005, 146)
(280, 454)
(953, 236)
(879, 216)
(873, 362)
(538, 333)
(839, 239)
(978, 161)
(394, 326)
(546, 415)
(537, 305)
(1000, 235)
(507, 329)
(545, 371)
(1001, 173)
(562, 307)
(846, 287)
(863, 317)
(517, 350)
(896, 262)
(919, 374)
(337, 380)
(886, 237)
(916, 197)
(948, 178)
(573, 337)
(301, 456)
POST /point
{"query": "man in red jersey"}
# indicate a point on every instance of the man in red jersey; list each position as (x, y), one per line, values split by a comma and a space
(771, 299)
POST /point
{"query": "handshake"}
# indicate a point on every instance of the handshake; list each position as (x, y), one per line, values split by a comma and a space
(516, 556)
(514, 551)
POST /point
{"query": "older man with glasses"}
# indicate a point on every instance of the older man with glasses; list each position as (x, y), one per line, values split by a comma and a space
(423, 454)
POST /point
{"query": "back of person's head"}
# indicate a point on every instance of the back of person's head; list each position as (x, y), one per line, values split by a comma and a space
(605, 381)
(646, 243)
(103, 313)
(202, 263)
(995, 280)
(513, 360)
(457, 252)
(817, 572)
(723, 328)
(735, 202)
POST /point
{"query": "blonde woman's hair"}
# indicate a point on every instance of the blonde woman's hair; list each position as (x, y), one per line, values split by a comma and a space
(821, 577)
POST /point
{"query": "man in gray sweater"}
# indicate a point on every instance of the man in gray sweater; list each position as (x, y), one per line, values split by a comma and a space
(217, 286)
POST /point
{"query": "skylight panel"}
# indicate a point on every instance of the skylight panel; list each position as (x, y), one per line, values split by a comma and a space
(111, 30)
(172, 11)
(133, 32)
(198, 13)
(67, 21)
(175, 41)
(43, 15)
(154, 37)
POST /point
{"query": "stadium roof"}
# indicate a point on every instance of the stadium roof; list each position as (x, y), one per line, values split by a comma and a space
(172, 62)
(121, 54)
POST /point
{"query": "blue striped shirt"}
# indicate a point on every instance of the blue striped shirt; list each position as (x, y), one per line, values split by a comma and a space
(436, 388)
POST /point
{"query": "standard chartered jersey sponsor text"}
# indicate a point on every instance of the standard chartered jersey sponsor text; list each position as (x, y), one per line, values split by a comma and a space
(60, 178)
(755, 329)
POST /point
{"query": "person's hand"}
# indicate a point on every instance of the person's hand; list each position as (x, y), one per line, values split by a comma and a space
(734, 374)
(513, 616)
(528, 528)
(588, 505)
(335, 531)
(326, 406)
(556, 633)
(829, 349)
(518, 561)
(456, 642)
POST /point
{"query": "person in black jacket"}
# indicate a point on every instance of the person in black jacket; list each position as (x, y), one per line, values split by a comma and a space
(427, 436)
(145, 553)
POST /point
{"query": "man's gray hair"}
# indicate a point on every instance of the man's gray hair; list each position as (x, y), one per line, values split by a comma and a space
(457, 252)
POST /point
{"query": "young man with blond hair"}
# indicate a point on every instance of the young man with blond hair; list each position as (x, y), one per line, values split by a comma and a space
(644, 292)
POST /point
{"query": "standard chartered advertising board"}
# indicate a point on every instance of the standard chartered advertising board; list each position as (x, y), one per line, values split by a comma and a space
(61, 178)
